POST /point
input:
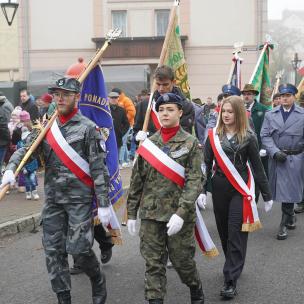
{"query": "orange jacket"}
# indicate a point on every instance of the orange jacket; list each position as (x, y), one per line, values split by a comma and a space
(126, 103)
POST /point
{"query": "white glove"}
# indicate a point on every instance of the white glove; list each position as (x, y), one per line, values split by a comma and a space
(24, 171)
(268, 205)
(202, 201)
(141, 136)
(263, 152)
(131, 224)
(175, 224)
(104, 215)
(8, 178)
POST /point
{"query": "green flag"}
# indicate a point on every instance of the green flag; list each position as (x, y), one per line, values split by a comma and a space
(260, 78)
(175, 58)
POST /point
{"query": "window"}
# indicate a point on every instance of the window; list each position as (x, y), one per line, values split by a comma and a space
(119, 20)
(161, 20)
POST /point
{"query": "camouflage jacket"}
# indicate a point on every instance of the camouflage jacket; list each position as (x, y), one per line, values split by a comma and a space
(61, 185)
(156, 196)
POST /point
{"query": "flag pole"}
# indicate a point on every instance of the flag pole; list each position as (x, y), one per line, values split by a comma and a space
(276, 86)
(161, 60)
(112, 35)
(237, 50)
(259, 61)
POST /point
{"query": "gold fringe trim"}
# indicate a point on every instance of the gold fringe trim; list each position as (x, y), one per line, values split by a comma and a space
(251, 227)
(118, 203)
(211, 253)
(116, 236)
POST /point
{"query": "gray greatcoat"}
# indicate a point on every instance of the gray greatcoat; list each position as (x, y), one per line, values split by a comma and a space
(286, 179)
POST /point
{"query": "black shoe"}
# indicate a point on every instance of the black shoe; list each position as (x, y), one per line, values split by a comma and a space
(64, 297)
(299, 208)
(75, 270)
(105, 255)
(291, 224)
(282, 234)
(99, 291)
(228, 291)
(197, 295)
(156, 301)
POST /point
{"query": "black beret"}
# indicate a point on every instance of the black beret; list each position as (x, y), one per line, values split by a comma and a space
(169, 98)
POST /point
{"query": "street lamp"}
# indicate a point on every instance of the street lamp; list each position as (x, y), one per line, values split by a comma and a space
(296, 64)
(9, 10)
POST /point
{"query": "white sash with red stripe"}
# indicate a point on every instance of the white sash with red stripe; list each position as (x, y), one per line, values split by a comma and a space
(75, 163)
(251, 221)
(175, 172)
(154, 116)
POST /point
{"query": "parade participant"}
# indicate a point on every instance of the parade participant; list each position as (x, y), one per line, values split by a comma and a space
(166, 205)
(165, 83)
(276, 100)
(256, 109)
(282, 136)
(231, 145)
(74, 167)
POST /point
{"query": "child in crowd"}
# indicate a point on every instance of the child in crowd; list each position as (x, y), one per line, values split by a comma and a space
(29, 170)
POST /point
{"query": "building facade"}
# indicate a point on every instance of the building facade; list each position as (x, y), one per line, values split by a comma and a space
(53, 34)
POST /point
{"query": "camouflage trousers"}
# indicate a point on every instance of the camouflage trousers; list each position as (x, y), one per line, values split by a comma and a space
(67, 229)
(156, 245)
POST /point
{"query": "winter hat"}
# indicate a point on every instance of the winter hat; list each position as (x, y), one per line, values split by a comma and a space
(46, 98)
(25, 116)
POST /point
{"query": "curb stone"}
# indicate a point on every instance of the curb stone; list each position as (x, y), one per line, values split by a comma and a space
(28, 223)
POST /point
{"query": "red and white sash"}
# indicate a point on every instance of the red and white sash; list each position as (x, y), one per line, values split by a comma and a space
(251, 221)
(176, 173)
(75, 163)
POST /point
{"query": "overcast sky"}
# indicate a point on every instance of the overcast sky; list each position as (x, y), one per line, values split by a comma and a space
(275, 7)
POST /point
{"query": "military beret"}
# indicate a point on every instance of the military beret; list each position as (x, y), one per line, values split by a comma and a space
(169, 98)
(67, 84)
(287, 88)
(231, 90)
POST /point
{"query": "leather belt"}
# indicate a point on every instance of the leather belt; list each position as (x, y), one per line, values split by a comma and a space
(292, 152)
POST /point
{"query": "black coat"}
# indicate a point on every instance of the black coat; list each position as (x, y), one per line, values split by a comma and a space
(31, 107)
(187, 119)
(239, 154)
(120, 122)
(141, 109)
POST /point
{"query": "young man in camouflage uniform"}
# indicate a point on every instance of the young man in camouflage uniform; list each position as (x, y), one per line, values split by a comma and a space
(67, 213)
(167, 211)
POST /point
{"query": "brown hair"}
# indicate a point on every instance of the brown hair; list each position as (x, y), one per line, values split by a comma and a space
(164, 72)
(241, 120)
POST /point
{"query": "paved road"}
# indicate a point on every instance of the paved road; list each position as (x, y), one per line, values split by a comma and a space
(273, 272)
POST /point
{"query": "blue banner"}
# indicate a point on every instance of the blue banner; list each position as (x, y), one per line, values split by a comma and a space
(94, 105)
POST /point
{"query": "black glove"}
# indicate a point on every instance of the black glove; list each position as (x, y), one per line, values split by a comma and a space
(280, 156)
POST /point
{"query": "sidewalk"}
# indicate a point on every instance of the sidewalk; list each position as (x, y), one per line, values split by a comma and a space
(18, 214)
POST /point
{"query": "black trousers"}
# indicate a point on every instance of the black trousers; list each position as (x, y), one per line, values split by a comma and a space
(288, 209)
(228, 211)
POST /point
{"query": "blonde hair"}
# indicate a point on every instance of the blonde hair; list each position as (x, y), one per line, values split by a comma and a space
(240, 116)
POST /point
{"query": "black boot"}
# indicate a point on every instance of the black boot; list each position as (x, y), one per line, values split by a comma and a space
(229, 290)
(282, 234)
(156, 301)
(99, 291)
(105, 255)
(64, 297)
(291, 224)
(91, 267)
(299, 208)
(197, 295)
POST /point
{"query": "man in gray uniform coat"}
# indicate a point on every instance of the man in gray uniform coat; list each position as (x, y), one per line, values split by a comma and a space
(282, 136)
(67, 214)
